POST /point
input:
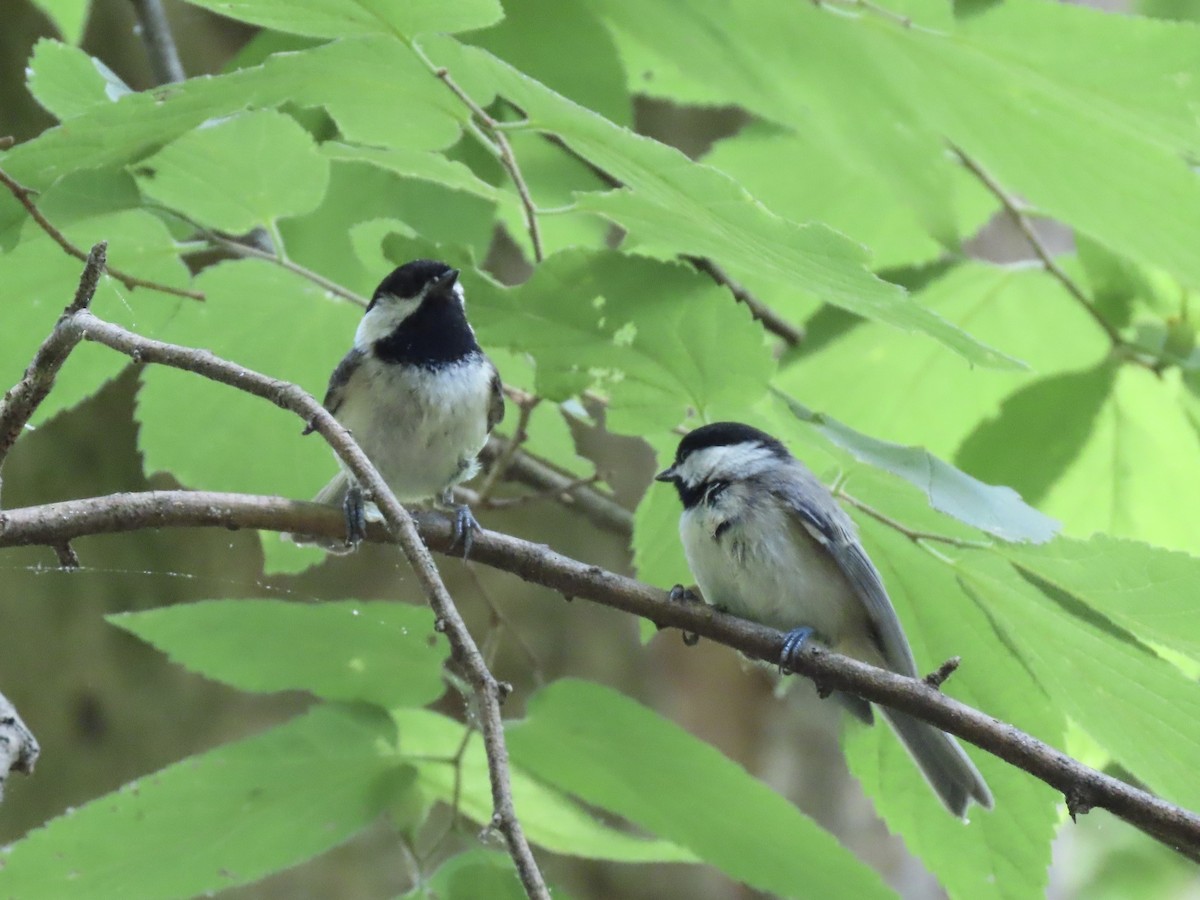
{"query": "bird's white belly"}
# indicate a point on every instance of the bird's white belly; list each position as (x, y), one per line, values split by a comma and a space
(422, 429)
(765, 568)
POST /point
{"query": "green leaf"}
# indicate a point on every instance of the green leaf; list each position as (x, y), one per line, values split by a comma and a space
(1000, 853)
(330, 240)
(1090, 467)
(69, 16)
(549, 818)
(238, 174)
(40, 280)
(353, 79)
(1148, 590)
(520, 40)
(67, 82)
(996, 509)
(223, 818)
(705, 212)
(345, 18)
(1047, 126)
(615, 754)
(474, 874)
(1144, 711)
(657, 552)
(382, 653)
(658, 337)
(883, 383)
(207, 448)
(832, 187)
(420, 164)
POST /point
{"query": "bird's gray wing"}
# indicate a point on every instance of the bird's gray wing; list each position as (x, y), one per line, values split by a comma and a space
(496, 403)
(827, 523)
(335, 393)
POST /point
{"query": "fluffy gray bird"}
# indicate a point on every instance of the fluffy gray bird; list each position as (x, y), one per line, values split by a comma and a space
(766, 541)
(417, 393)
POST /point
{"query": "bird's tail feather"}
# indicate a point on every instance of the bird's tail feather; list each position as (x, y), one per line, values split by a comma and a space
(942, 761)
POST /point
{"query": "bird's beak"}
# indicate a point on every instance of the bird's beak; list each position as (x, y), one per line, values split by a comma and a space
(444, 283)
(667, 474)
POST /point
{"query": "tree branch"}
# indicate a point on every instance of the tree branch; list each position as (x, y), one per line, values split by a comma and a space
(79, 323)
(22, 400)
(18, 747)
(57, 522)
(160, 44)
(23, 195)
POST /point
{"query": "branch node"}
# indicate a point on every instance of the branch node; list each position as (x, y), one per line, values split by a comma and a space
(439, 625)
(937, 678)
(67, 557)
(1078, 802)
(504, 690)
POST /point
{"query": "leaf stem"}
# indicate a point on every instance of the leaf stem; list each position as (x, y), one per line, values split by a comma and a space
(1018, 212)
(914, 535)
(504, 149)
(24, 195)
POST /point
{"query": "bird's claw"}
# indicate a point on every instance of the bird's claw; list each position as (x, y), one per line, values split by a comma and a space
(793, 643)
(680, 594)
(356, 518)
(465, 526)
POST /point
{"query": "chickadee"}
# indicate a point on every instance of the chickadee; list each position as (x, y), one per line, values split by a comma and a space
(765, 540)
(417, 393)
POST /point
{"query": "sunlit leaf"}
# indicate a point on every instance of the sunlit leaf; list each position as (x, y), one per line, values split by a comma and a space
(239, 174)
(614, 753)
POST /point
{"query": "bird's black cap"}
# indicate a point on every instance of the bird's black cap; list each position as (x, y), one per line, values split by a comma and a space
(410, 279)
(722, 434)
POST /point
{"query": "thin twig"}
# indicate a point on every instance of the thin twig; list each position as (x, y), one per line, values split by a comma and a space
(55, 522)
(771, 320)
(23, 399)
(938, 676)
(914, 535)
(499, 466)
(599, 508)
(500, 621)
(250, 251)
(160, 44)
(23, 195)
(18, 747)
(536, 497)
(1018, 212)
(77, 324)
(507, 158)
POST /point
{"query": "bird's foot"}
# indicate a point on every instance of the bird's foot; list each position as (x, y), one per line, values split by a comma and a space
(356, 517)
(465, 526)
(793, 643)
(680, 594)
